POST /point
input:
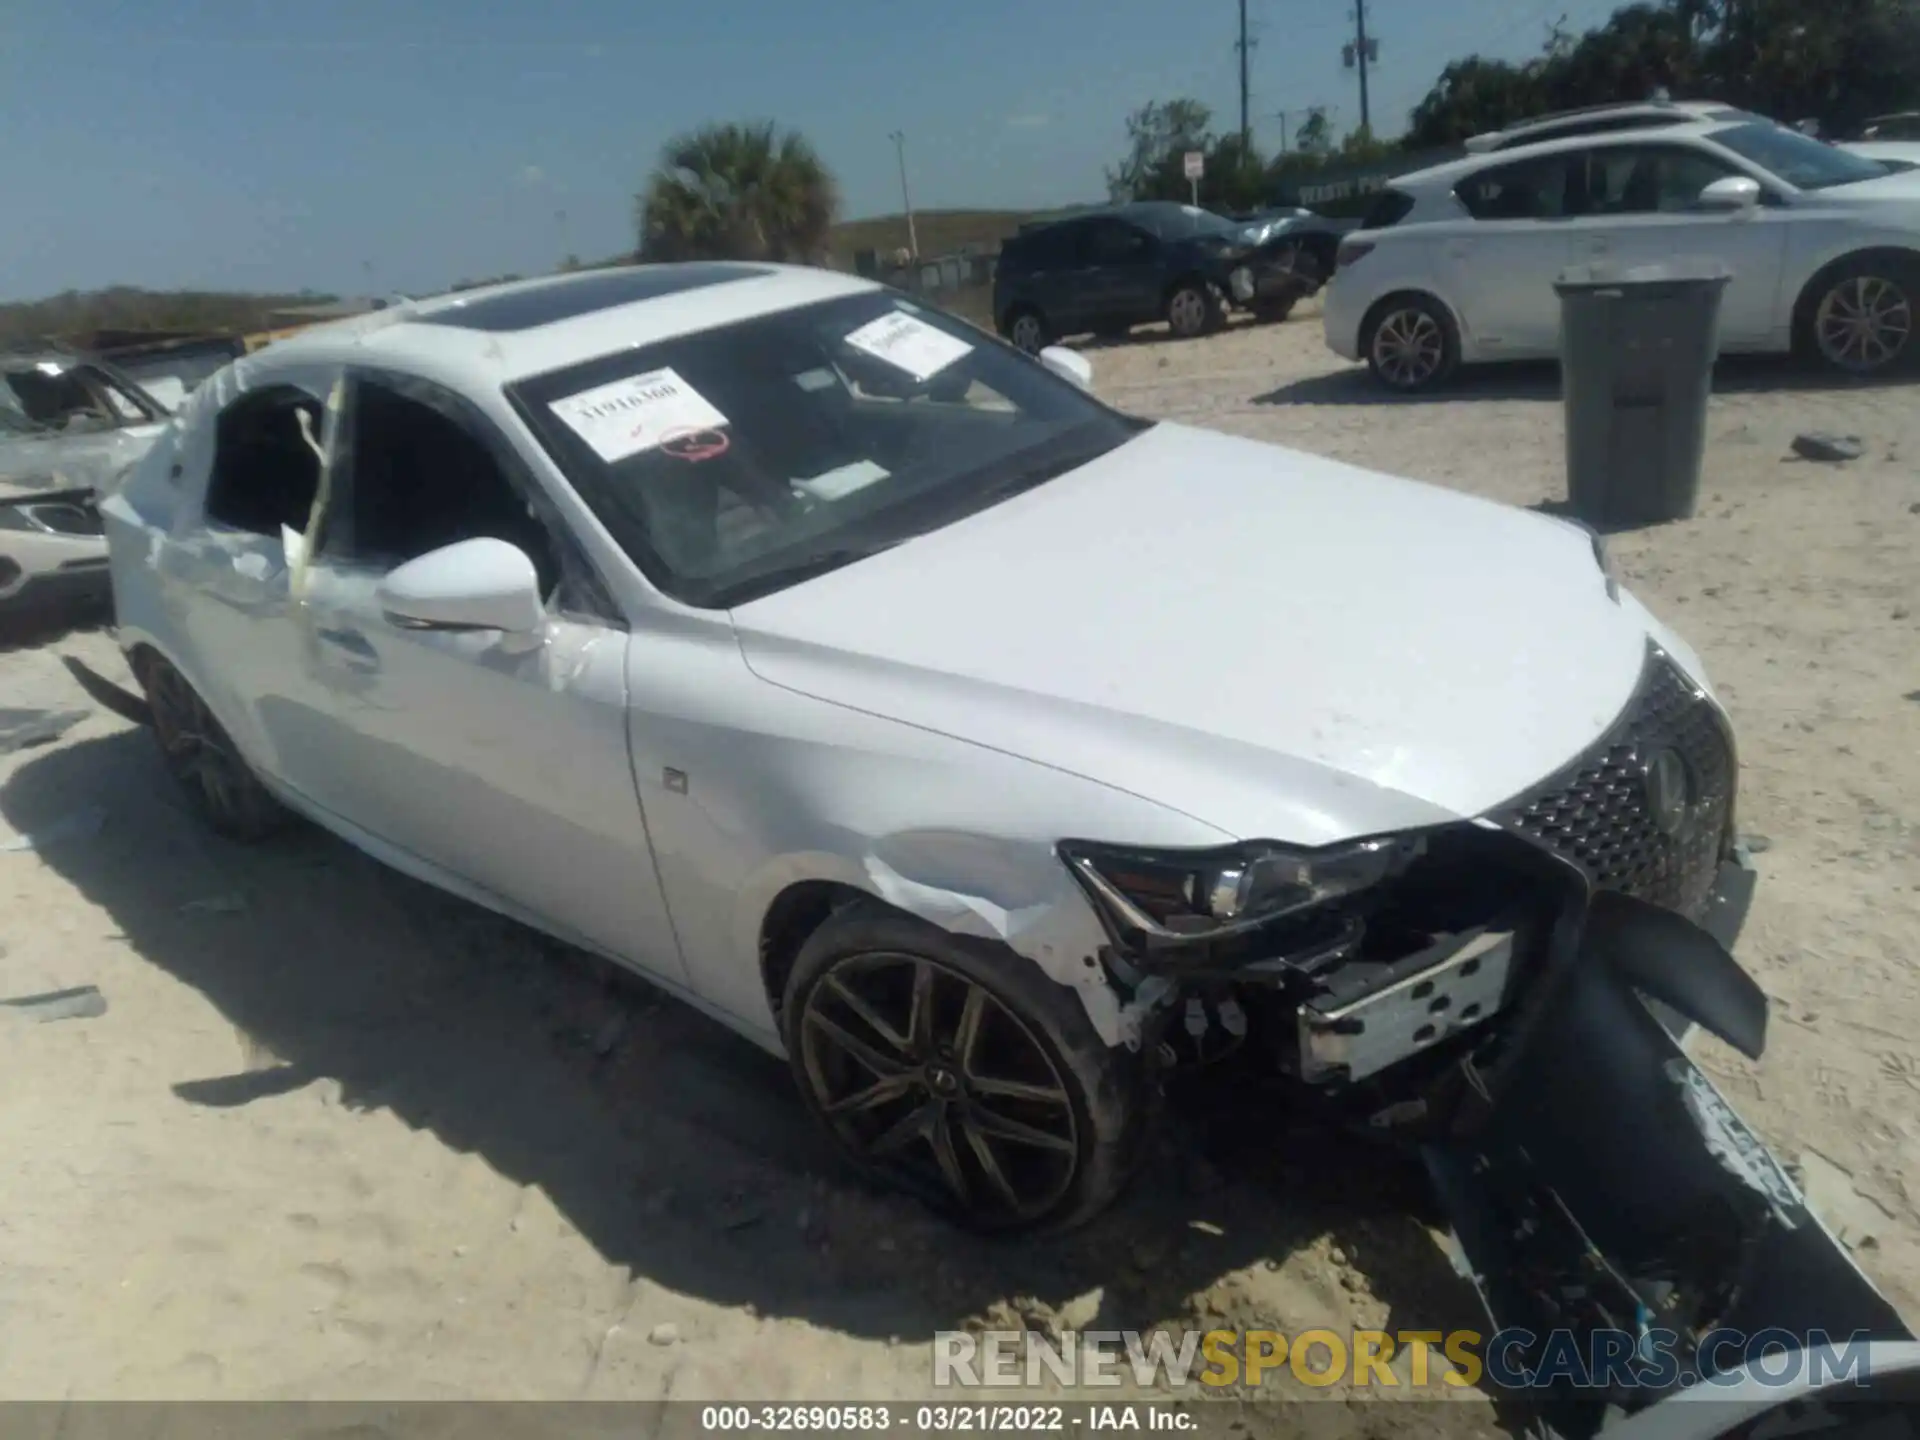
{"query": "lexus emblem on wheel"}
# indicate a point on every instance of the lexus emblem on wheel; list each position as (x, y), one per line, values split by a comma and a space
(1669, 798)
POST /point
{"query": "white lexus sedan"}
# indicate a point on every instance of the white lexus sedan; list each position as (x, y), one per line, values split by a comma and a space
(878, 690)
(1457, 263)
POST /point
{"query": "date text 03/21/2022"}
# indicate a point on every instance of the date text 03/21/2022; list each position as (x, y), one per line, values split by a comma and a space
(942, 1419)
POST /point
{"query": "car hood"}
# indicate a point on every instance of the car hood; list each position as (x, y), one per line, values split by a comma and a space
(1276, 644)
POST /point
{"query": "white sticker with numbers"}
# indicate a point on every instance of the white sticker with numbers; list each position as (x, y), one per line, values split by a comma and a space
(639, 413)
(909, 344)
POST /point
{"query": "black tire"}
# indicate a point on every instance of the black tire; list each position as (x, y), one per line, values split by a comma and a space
(1027, 329)
(1193, 309)
(865, 975)
(1274, 312)
(1403, 327)
(200, 755)
(1859, 317)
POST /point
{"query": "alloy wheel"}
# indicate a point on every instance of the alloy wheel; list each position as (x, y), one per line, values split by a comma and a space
(924, 1074)
(1408, 348)
(1864, 323)
(1187, 314)
(1027, 333)
(197, 750)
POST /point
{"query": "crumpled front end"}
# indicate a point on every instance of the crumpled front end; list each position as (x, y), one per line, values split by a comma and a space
(1509, 998)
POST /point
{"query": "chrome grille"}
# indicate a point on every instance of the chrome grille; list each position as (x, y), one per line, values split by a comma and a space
(1597, 812)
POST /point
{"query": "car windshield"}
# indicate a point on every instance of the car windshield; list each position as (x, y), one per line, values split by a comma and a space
(737, 461)
(1185, 222)
(1800, 160)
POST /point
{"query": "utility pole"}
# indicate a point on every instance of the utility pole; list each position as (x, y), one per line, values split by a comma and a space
(1246, 132)
(899, 139)
(1359, 55)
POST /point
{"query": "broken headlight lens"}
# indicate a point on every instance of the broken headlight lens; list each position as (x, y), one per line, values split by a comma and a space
(1172, 895)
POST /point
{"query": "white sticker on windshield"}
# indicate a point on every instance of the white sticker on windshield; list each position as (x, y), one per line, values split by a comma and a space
(909, 344)
(843, 481)
(639, 413)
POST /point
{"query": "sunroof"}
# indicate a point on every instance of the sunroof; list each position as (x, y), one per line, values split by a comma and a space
(569, 297)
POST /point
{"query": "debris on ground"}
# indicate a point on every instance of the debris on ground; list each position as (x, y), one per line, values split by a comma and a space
(23, 729)
(83, 1002)
(1829, 449)
(79, 825)
(107, 695)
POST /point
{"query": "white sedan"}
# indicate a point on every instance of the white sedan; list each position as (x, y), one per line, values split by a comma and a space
(1457, 262)
(879, 691)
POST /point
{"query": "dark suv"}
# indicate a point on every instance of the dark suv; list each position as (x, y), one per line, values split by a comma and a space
(1108, 270)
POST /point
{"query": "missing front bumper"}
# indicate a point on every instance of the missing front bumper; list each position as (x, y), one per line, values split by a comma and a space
(1607, 1201)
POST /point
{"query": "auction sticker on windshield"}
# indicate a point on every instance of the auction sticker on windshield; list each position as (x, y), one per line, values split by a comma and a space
(638, 413)
(909, 344)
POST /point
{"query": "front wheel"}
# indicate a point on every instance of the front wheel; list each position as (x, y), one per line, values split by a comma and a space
(1861, 318)
(958, 1071)
(1410, 344)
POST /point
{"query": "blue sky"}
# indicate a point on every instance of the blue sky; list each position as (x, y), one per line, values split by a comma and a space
(404, 144)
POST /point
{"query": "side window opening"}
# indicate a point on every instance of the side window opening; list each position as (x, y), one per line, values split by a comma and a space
(1526, 190)
(418, 480)
(265, 475)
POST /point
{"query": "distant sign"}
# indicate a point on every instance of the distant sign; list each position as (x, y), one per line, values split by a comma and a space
(1196, 164)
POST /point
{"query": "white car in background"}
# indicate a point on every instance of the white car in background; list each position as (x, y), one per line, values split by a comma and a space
(71, 427)
(1459, 262)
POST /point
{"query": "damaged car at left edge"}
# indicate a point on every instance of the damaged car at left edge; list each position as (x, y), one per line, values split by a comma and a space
(989, 754)
(70, 427)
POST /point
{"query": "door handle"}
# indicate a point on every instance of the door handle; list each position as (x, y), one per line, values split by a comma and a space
(1599, 245)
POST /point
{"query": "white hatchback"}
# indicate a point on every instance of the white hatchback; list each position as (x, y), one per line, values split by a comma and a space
(1457, 263)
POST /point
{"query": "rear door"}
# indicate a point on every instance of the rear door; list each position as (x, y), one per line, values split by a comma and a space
(258, 469)
(1642, 207)
(1120, 276)
(1050, 276)
(1501, 262)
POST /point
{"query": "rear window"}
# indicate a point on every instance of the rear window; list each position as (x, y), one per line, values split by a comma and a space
(1388, 210)
(1051, 247)
(1525, 190)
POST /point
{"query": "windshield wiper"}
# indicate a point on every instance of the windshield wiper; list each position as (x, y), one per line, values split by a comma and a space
(807, 567)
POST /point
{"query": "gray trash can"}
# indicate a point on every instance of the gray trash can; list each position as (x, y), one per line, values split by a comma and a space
(1637, 347)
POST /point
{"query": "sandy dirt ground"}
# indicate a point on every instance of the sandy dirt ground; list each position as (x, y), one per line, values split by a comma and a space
(340, 1136)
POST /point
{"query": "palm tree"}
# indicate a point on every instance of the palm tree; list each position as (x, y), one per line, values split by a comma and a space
(742, 192)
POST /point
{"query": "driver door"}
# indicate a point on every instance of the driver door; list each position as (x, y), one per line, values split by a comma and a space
(1643, 208)
(498, 760)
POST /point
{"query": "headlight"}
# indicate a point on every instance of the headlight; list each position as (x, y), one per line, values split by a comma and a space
(1196, 894)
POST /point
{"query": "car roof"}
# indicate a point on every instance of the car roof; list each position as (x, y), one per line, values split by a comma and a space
(497, 334)
(1454, 171)
(1661, 112)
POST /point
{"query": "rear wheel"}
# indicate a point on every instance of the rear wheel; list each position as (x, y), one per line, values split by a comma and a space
(1859, 319)
(959, 1072)
(1027, 330)
(1193, 309)
(1410, 344)
(203, 759)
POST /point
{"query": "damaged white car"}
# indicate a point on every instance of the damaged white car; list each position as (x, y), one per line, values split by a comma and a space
(987, 751)
(70, 427)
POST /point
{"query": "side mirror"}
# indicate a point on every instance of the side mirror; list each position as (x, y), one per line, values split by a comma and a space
(471, 585)
(1068, 365)
(1731, 192)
